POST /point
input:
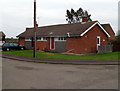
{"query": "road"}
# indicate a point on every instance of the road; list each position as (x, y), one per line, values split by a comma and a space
(0, 73)
(29, 75)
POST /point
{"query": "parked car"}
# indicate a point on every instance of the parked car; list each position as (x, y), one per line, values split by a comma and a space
(12, 46)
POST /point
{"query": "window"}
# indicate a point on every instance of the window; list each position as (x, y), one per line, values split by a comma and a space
(15, 44)
(39, 38)
(60, 39)
(42, 39)
(11, 44)
(98, 40)
(64, 38)
(6, 44)
(28, 39)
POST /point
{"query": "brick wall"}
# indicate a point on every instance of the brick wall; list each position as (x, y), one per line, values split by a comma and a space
(87, 43)
(21, 41)
(42, 45)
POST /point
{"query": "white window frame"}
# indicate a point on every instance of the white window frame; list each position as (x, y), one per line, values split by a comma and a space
(42, 39)
(98, 37)
(28, 39)
(60, 39)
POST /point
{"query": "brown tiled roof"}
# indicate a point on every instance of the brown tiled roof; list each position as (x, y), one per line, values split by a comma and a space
(109, 29)
(58, 30)
(2, 34)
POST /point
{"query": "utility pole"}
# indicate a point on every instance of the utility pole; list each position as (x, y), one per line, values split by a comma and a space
(34, 51)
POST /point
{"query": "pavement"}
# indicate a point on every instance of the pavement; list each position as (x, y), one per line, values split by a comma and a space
(61, 61)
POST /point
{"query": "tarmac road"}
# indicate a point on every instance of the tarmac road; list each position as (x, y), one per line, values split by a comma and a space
(29, 75)
(0, 73)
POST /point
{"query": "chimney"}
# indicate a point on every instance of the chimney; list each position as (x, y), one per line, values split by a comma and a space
(36, 24)
(84, 19)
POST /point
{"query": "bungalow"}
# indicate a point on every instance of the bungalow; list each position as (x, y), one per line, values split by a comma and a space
(2, 38)
(76, 38)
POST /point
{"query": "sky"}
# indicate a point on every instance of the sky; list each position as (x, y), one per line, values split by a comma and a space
(119, 18)
(16, 15)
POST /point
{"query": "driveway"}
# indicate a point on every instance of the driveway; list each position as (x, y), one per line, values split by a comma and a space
(30, 75)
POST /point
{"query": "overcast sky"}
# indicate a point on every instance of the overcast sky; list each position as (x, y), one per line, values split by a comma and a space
(16, 15)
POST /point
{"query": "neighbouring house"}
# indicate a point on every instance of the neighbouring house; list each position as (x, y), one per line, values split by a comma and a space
(2, 38)
(109, 29)
(79, 38)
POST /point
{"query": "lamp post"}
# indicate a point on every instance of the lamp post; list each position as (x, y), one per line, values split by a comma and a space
(34, 49)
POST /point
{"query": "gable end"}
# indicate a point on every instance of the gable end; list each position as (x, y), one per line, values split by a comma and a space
(97, 23)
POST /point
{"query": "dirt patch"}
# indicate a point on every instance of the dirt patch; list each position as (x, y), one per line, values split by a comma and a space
(48, 53)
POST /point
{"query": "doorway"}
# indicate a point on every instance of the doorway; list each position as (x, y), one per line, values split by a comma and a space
(98, 41)
(52, 43)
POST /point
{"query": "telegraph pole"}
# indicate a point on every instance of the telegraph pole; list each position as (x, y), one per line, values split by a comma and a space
(34, 51)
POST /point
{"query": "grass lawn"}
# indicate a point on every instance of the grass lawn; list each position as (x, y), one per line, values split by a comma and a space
(29, 53)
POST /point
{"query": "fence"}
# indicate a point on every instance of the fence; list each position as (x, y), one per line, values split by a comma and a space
(105, 49)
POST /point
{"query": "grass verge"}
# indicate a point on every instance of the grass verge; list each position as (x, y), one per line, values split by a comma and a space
(103, 56)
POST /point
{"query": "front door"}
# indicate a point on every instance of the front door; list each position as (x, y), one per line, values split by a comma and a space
(98, 41)
(52, 43)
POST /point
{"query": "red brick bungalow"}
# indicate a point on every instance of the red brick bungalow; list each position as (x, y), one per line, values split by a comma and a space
(76, 38)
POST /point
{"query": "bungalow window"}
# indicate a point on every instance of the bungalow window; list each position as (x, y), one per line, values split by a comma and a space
(64, 38)
(42, 39)
(27, 39)
(61, 39)
(39, 38)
